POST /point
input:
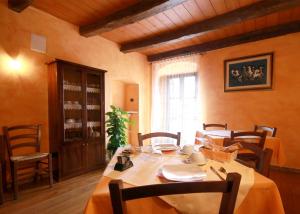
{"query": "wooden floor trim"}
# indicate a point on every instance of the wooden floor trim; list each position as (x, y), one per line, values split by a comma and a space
(285, 169)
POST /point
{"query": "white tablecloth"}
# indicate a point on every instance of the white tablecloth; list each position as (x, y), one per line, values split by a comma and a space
(146, 167)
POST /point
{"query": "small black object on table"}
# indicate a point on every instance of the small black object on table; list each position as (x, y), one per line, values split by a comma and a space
(123, 163)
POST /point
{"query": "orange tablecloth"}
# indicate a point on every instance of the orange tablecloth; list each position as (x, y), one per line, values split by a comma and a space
(274, 143)
(263, 197)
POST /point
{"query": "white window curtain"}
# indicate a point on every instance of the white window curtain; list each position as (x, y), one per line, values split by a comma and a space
(175, 105)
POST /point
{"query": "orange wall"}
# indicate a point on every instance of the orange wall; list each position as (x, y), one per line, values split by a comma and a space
(118, 94)
(132, 92)
(121, 96)
(24, 96)
(278, 107)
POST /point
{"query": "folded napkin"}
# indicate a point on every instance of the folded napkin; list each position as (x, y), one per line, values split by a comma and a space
(209, 203)
(182, 172)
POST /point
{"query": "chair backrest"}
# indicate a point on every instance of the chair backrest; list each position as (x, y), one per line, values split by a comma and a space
(22, 136)
(268, 129)
(262, 156)
(215, 125)
(141, 137)
(254, 137)
(229, 188)
(265, 163)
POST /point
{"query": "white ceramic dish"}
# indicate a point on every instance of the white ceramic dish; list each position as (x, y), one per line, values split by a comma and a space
(70, 121)
(185, 153)
(200, 163)
(166, 147)
(183, 172)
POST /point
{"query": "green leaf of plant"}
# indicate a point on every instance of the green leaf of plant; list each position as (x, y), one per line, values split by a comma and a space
(117, 124)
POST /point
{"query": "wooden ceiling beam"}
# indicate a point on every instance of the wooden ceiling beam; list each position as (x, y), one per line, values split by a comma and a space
(132, 14)
(18, 5)
(261, 8)
(252, 36)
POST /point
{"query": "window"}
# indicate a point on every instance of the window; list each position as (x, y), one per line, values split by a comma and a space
(175, 106)
(181, 105)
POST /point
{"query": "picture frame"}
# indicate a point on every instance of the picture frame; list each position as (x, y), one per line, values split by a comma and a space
(248, 73)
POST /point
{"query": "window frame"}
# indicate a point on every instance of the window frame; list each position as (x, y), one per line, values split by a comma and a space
(181, 77)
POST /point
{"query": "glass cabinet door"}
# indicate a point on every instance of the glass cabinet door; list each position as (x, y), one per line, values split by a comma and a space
(93, 106)
(73, 104)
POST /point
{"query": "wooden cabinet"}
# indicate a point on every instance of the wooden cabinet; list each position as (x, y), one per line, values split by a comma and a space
(93, 159)
(76, 118)
(72, 158)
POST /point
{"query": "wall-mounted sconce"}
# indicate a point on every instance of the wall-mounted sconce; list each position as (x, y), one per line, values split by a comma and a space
(14, 64)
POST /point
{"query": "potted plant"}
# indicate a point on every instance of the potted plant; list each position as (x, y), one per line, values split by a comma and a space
(116, 129)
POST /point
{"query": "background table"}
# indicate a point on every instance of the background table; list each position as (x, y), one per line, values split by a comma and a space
(274, 143)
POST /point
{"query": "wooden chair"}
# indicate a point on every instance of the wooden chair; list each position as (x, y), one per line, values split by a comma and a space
(228, 187)
(262, 161)
(223, 126)
(271, 130)
(141, 137)
(255, 137)
(17, 137)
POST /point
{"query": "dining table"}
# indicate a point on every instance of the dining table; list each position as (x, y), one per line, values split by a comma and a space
(274, 143)
(257, 194)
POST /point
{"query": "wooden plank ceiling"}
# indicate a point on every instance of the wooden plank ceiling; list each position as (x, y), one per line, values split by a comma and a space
(86, 12)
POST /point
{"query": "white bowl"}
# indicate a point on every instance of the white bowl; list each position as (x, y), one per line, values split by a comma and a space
(70, 120)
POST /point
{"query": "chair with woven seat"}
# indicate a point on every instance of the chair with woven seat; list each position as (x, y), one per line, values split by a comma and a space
(262, 161)
(270, 130)
(214, 125)
(26, 136)
(141, 137)
(228, 187)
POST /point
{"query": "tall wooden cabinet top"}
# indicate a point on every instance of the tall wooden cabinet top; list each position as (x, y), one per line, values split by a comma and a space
(76, 117)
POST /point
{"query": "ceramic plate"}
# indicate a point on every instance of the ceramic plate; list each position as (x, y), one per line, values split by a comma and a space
(188, 161)
(183, 172)
(166, 147)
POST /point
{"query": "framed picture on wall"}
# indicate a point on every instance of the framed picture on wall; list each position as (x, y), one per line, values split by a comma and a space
(248, 73)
